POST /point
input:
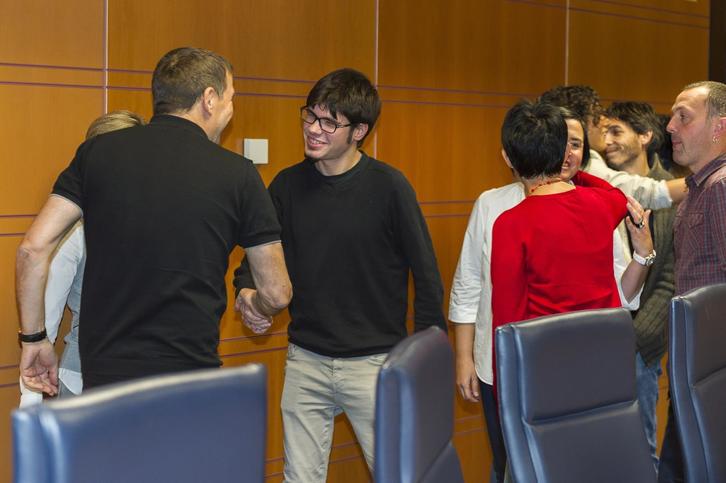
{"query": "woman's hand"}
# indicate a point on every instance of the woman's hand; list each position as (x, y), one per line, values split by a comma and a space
(640, 236)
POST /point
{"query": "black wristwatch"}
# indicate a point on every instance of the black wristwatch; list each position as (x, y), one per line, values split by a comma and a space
(36, 337)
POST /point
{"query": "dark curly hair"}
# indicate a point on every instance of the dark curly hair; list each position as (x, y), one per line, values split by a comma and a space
(582, 100)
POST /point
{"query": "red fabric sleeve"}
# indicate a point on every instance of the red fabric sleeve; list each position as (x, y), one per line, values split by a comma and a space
(615, 198)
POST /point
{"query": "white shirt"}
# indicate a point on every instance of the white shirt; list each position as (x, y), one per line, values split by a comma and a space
(650, 193)
(471, 291)
(65, 281)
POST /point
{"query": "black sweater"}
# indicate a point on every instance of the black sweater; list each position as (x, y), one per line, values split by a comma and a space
(350, 242)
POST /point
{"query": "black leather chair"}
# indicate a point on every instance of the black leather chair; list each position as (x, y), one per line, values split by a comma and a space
(697, 371)
(207, 425)
(415, 412)
(567, 399)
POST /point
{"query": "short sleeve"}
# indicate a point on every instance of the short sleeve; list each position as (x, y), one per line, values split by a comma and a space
(69, 184)
(258, 219)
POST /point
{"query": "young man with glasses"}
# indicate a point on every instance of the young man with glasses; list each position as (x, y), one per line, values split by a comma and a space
(352, 231)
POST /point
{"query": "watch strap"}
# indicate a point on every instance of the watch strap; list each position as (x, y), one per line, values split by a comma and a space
(35, 337)
(645, 261)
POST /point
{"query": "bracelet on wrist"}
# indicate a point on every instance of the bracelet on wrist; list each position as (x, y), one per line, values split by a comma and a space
(35, 337)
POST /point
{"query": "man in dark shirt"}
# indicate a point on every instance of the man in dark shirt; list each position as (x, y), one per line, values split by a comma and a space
(631, 140)
(163, 207)
(698, 134)
(352, 231)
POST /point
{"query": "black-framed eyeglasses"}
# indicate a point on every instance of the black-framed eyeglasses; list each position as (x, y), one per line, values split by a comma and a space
(326, 124)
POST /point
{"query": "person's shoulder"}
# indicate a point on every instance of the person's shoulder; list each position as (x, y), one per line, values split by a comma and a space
(293, 171)
(510, 192)
(385, 171)
(513, 215)
(718, 178)
(290, 174)
(491, 203)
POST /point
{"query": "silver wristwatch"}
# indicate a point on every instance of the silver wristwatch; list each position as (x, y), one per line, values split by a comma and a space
(647, 261)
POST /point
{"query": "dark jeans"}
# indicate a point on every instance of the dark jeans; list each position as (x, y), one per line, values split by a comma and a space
(494, 429)
(670, 469)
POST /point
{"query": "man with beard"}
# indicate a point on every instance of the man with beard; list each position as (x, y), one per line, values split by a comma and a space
(632, 138)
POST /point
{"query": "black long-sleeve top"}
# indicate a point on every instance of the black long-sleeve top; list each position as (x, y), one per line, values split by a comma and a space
(350, 242)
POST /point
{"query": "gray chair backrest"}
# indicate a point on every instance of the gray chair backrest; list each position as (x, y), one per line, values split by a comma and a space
(697, 371)
(206, 425)
(567, 399)
(415, 412)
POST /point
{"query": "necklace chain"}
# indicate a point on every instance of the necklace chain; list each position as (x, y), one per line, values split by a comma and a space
(545, 183)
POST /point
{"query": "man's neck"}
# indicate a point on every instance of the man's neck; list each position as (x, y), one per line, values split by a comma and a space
(639, 166)
(193, 116)
(334, 167)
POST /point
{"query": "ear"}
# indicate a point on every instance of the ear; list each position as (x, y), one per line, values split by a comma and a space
(506, 159)
(646, 138)
(360, 131)
(209, 100)
(720, 126)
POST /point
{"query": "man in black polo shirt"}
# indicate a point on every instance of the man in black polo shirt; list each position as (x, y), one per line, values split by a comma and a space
(163, 207)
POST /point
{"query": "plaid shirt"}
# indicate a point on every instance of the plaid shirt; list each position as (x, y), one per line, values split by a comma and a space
(700, 229)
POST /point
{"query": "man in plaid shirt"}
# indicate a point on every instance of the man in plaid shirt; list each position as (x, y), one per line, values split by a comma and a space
(698, 133)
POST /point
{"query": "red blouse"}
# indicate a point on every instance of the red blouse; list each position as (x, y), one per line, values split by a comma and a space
(554, 253)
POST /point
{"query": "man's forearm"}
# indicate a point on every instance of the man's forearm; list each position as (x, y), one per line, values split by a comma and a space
(677, 189)
(31, 273)
(33, 259)
(267, 265)
(266, 306)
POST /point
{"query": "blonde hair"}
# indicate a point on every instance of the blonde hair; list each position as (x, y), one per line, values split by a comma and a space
(113, 121)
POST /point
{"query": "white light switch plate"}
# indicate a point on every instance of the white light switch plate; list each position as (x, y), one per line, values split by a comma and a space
(256, 150)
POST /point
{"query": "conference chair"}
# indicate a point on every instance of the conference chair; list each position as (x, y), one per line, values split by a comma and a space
(697, 372)
(207, 425)
(567, 399)
(415, 412)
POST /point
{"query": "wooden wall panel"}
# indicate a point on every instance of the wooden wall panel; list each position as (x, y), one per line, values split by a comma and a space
(39, 32)
(472, 445)
(9, 397)
(451, 153)
(493, 46)
(272, 39)
(41, 140)
(640, 53)
(9, 352)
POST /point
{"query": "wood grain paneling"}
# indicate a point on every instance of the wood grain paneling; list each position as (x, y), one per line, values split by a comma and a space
(48, 124)
(39, 32)
(474, 454)
(275, 38)
(8, 402)
(447, 234)
(681, 12)
(447, 152)
(493, 46)
(9, 352)
(636, 57)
